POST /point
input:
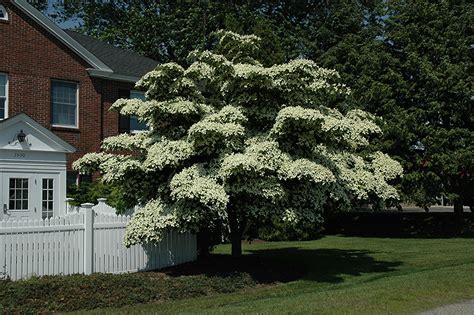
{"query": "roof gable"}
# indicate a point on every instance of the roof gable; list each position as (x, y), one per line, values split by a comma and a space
(107, 61)
(38, 137)
(121, 61)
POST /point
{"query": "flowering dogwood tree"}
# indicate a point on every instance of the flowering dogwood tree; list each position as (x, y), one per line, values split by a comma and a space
(232, 143)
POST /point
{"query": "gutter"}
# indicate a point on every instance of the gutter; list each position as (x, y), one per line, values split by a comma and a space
(112, 76)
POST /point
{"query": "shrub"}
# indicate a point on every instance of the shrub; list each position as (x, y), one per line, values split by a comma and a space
(281, 230)
(78, 292)
(90, 192)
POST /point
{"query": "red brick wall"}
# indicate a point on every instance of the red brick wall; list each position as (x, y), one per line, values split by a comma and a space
(31, 57)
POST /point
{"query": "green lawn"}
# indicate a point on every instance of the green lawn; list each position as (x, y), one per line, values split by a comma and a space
(346, 275)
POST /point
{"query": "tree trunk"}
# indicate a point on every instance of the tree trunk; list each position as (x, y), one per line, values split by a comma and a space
(458, 207)
(204, 241)
(235, 234)
(236, 241)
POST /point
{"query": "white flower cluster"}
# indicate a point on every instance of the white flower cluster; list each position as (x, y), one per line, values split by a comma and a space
(364, 178)
(139, 141)
(350, 130)
(149, 223)
(304, 169)
(190, 183)
(167, 153)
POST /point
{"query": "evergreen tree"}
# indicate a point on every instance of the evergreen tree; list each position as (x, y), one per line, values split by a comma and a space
(432, 41)
(414, 70)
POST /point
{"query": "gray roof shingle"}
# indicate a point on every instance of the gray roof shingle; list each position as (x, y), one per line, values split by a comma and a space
(121, 61)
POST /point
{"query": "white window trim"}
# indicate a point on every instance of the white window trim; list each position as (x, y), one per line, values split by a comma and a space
(76, 126)
(5, 18)
(6, 96)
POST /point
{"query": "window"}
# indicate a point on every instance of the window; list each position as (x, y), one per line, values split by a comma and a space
(64, 103)
(135, 125)
(18, 194)
(3, 13)
(47, 200)
(71, 178)
(3, 96)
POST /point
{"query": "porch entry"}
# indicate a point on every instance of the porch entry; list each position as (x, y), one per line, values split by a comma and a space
(33, 163)
(26, 195)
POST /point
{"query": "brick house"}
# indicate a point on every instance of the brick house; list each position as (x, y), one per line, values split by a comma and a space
(64, 80)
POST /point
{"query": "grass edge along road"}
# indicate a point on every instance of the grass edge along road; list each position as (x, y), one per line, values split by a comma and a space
(346, 275)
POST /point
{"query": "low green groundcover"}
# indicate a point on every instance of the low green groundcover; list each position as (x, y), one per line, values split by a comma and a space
(215, 274)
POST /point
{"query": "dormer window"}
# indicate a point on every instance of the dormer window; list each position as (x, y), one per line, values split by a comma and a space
(3, 13)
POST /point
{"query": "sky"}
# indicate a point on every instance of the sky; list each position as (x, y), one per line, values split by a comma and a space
(51, 10)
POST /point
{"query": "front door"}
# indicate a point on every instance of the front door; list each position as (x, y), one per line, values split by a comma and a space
(29, 196)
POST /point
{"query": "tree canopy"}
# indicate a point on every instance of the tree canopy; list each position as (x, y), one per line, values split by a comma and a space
(233, 143)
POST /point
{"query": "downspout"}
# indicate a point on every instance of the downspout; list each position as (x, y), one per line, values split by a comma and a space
(101, 110)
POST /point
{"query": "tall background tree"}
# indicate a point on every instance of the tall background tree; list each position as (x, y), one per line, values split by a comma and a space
(406, 61)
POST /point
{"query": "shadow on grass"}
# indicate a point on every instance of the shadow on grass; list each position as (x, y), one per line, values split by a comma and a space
(288, 264)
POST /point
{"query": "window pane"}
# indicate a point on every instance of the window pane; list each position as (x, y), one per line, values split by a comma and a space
(137, 94)
(18, 194)
(71, 178)
(2, 107)
(47, 201)
(3, 84)
(64, 103)
(136, 125)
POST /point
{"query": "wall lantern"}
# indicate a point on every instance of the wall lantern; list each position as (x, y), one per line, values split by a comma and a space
(21, 136)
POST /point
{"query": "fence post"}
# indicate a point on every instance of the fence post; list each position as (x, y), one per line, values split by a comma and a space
(88, 237)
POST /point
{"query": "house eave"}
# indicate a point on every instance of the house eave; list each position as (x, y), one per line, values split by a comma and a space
(112, 76)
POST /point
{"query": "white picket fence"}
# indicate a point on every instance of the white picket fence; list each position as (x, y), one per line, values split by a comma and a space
(85, 241)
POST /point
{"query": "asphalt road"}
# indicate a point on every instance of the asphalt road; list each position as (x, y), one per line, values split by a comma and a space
(465, 308)
(432, 209)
